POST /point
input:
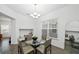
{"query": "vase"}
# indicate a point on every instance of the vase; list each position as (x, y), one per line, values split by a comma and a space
(34, 41)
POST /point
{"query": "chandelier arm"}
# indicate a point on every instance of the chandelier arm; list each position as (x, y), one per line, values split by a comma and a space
(35, 14)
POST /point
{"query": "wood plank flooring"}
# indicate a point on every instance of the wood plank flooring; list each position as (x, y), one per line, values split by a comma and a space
(5, 48)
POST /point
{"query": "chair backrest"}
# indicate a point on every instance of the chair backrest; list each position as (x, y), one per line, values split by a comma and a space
(20, 39)
(21, 43)
(47, 43)
(28, 37)
(44, 37)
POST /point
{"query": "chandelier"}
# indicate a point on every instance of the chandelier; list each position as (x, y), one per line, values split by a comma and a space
(35, 14)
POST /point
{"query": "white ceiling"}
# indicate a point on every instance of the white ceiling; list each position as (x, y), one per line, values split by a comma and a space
(2, 15)
(42, 9)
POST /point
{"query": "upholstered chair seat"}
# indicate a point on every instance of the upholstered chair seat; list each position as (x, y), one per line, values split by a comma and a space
(44, 48)
(27, 49)
(41, 48)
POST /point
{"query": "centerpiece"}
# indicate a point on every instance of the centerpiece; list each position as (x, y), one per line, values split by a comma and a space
(34, 39)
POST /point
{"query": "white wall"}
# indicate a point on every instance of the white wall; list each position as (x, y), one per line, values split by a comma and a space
(64, 15)
(73, 26)
(22, 21)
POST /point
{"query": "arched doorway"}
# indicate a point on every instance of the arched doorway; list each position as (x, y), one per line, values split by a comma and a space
(72, 28)
(7, 30)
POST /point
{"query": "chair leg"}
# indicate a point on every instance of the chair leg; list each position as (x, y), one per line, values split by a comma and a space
(50, 49)
(32, 52)
(45, 51)
(18, 50)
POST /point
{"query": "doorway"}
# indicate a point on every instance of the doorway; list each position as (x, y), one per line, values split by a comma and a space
(72, 44)
(7, 29)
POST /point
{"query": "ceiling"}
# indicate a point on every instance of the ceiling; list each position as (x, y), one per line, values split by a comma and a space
(42, 9)
(2, 15)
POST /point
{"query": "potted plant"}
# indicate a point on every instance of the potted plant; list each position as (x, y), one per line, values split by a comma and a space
(34, 39)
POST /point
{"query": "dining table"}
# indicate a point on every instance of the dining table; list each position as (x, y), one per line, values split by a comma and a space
(35, 45)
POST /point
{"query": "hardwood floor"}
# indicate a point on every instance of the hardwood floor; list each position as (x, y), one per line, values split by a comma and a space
(70, 49)
(5, 48)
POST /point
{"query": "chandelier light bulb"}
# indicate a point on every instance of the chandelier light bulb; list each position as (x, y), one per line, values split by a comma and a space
(38, 14)
(35, 13)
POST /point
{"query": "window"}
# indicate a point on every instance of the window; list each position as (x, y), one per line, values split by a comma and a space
(4, 29)
(49, 29)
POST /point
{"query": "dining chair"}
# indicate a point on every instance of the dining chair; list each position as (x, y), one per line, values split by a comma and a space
(28, 37)
(24, 48)
(44, 37)
(44, 48)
